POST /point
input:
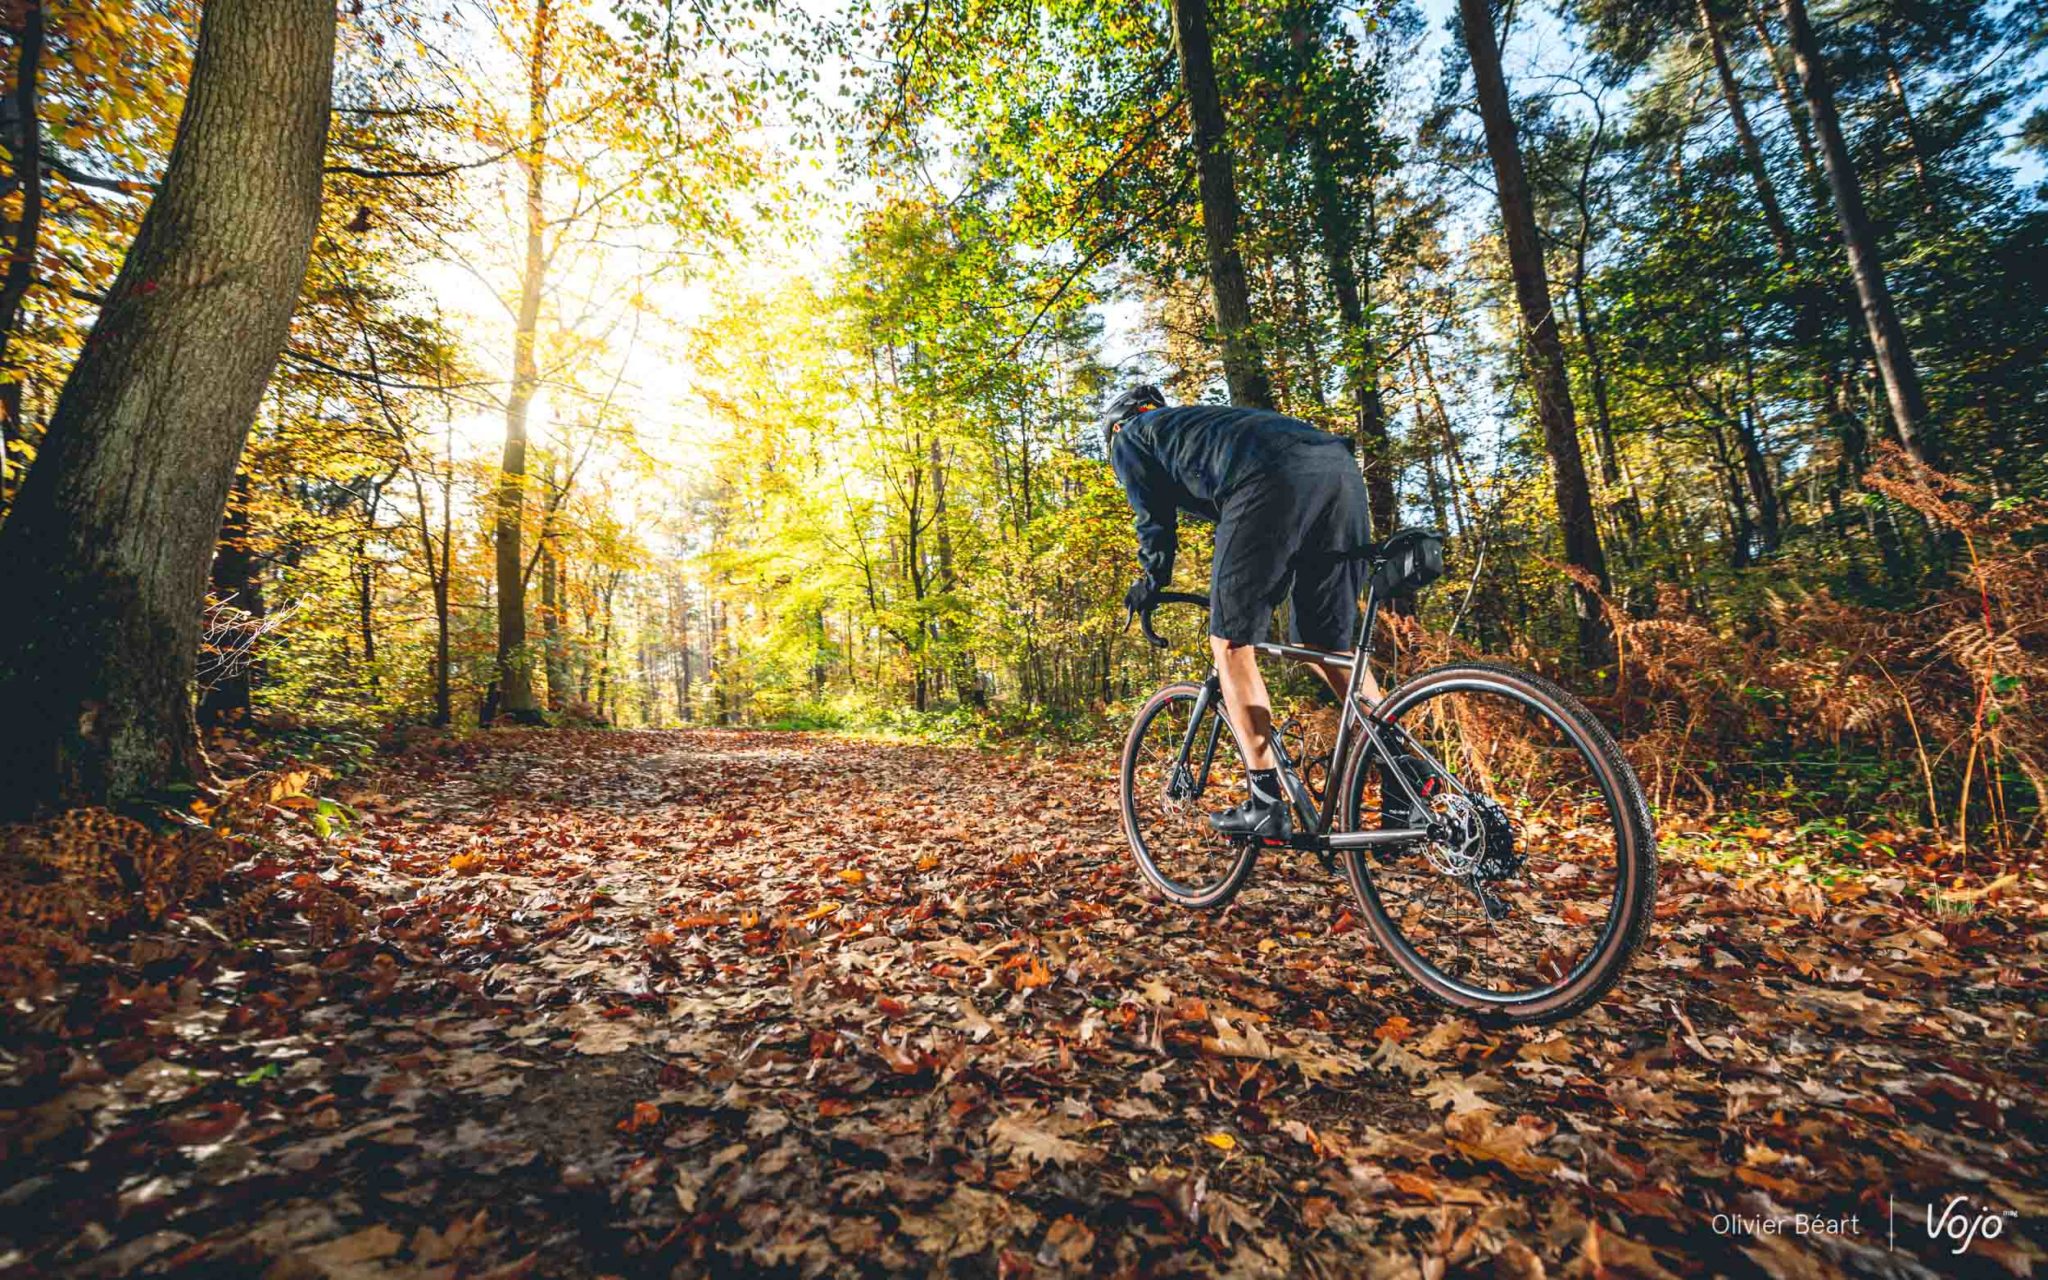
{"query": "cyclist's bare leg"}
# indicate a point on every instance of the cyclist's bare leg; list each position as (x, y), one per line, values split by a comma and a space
(1245, 700)
(1339, 679)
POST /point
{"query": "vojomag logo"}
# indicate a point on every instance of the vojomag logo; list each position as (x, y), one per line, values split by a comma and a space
(1955, 1222)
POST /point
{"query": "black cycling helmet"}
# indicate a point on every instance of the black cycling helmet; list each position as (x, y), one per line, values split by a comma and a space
(1125, 407)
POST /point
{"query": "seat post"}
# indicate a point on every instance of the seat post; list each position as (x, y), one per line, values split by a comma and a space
(1361, 653)
(1372, 610)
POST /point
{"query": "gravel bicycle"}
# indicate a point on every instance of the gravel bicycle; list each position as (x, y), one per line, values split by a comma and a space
(1497, 841)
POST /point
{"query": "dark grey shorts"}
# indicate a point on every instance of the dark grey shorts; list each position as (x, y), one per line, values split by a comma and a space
(1284, 533)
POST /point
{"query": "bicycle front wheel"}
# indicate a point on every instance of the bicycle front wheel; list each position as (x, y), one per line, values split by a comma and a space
(1181, 762)
(1536, 883)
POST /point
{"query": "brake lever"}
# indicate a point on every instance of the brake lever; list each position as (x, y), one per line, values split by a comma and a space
(1145, 624)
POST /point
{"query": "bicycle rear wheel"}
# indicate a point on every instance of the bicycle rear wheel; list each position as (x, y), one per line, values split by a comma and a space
(1177, 768)
(1536, 885)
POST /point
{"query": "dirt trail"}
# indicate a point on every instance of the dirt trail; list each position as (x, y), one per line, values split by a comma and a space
(646, 1004)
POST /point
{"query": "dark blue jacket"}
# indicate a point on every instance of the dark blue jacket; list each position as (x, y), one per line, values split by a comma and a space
(1189, 459)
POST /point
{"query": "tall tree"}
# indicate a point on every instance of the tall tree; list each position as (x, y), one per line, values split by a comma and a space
(1893, 357)
(1543, 350)
(26, 148)
(1338, 126)
(1752, 153)
(116, 522)
(515, 671)
(1244, 366)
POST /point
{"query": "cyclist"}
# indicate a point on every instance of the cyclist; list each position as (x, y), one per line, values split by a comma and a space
(1289, 505)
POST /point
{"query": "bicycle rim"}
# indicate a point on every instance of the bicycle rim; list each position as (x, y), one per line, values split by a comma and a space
(1536, 891)
(1166, 799)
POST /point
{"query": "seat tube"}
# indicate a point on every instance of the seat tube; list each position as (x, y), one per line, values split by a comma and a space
(1360, 654)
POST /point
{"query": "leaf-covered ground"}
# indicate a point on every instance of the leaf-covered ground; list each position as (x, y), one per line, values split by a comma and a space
(651, 1004)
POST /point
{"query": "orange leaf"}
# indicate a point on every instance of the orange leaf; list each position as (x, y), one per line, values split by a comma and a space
(854, 875)
(834, 1107)
(893, 1007)
(645, 1115)
(466, 864)
(819, 913)
(215, 1121)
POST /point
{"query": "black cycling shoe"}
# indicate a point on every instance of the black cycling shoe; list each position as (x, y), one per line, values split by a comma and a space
(1256, 819)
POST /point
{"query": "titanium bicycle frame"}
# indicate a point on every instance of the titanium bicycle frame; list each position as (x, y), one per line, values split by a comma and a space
(1320, 839)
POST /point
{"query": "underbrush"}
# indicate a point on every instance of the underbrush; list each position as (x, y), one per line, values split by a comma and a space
(951, 726)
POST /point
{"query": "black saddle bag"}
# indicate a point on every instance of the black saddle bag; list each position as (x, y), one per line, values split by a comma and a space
(1413, 558)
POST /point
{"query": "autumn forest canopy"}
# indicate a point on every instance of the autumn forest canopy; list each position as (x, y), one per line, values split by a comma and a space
(629, 363)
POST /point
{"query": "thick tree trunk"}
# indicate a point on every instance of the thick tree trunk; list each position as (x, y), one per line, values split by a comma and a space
(1752, 154)
(1887, 339)
(110, 539)
(1243, 365)
(26, 244)
(1544, 349)
(515, 670)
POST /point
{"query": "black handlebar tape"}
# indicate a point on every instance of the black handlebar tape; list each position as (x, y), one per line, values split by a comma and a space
(1166, 597)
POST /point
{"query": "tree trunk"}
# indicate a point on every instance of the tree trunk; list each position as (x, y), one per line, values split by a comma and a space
(110, 539)
(1337, 229)
(1915, 147)
(1425, 378)
(1544, 349)
(27, 146)
(1623, 497)
(233, 583)
(1795, 110)
(366, 605)
(444, 705)
(1756, 458)
(685, 712)
(1887, 339)
(551, 628)
(1243, 365)
(515, 671)
(1752, 154)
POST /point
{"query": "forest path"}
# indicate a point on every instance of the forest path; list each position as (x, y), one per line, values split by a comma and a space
(654, 1003)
